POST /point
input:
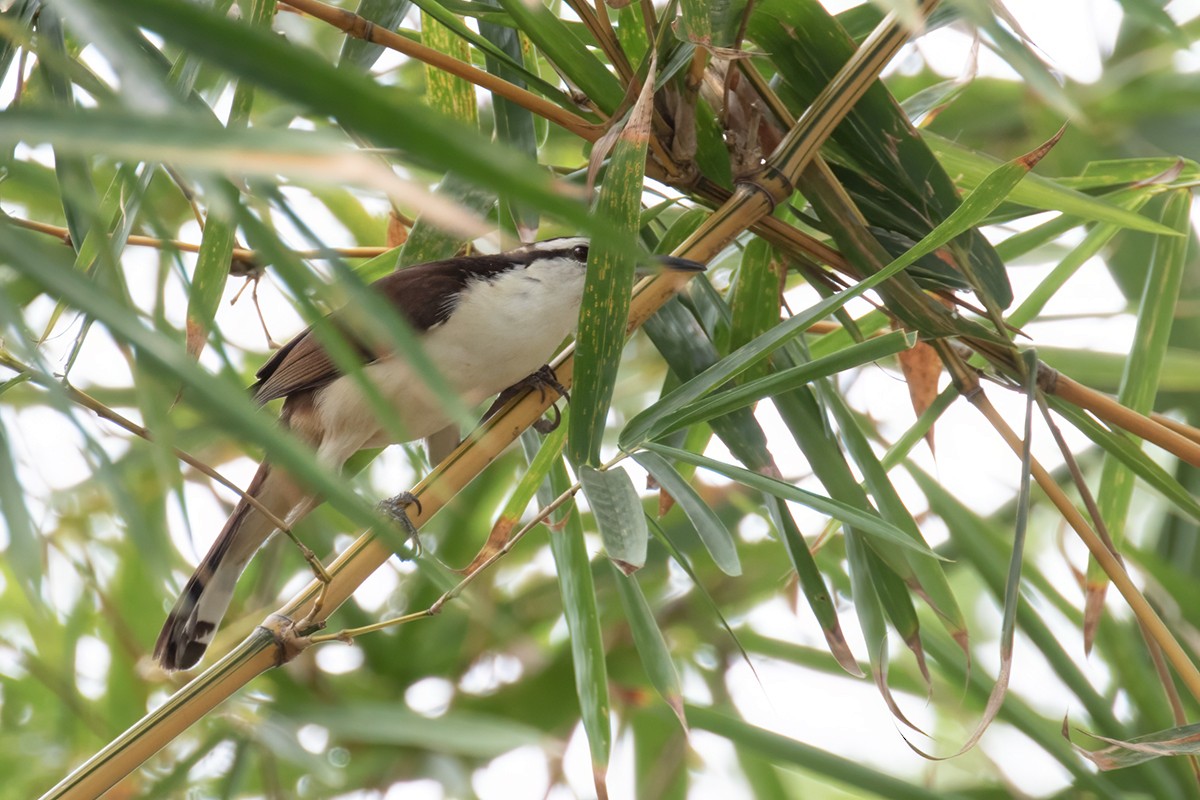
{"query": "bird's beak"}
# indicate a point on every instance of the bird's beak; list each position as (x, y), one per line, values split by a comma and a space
(659, 263)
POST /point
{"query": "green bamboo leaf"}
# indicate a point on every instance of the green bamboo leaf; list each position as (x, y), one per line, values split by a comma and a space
(619, 515)
(867, 605)
(812, 583)
(514, 124)
(536, 473)
(216, 246)
(991, 191)
(565, 50)
(1121, 171)
(931, 577)
(653, 734)
(808, 47)
(878, 592)
(18, 17)
(901, 448)
(428, 240)
(898, 604)
(755, 299)
(868, 523)
(631, 32)
(393, 724)
(23, 550)
(780, 749)
(748, 355)
(1141, 378)
(386, 115)
(868, 325)
(807, 421)
(678, 232)
(575, 581)
(382, 264)
(437, 11)
(1150, 13)
(1042, 235)
(718, 539)
(604, 312)
(712, 154)
(208, 280)
(973, 168)
(1096, 240)
(697, 16)
(77, 192)
(648, 639)
(723, 402)
(688, 351)
(448, 93)
(532, 479)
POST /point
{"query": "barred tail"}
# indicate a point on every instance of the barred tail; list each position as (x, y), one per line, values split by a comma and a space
(190, 626)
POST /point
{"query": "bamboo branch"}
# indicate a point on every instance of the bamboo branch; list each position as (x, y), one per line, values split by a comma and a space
(1149, 619)
(361, 28)
(1184, 447)
(239, 253)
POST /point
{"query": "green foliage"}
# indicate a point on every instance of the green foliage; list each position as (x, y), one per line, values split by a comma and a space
(158, 151)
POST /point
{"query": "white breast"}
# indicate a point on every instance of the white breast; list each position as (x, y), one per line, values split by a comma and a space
(499, 332)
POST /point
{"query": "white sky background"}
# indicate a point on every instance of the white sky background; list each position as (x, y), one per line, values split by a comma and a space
(835, 714)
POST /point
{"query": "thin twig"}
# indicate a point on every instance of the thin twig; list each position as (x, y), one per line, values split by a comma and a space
(239, 253)
(347, 635)
(104, 412)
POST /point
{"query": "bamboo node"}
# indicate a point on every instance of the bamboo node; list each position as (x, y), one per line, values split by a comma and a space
(771, 182)
(1047, 378)
(288, 640)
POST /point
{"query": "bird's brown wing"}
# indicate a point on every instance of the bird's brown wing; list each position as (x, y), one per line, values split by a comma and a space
(424, 295)
(299, 365)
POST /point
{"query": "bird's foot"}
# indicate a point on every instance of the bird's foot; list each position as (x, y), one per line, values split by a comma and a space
(310, 620)
(397, 509)
(541, 379)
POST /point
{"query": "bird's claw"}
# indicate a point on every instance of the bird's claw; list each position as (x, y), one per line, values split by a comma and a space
(544, 377)
(539, 380)
(545, 426)
(397, 509)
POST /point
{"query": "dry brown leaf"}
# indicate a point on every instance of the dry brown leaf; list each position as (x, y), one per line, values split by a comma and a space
(922, 368)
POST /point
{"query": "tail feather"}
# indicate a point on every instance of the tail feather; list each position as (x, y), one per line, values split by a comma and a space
(206, 596)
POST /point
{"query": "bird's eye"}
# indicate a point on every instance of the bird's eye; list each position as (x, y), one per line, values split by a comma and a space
(580, 253)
